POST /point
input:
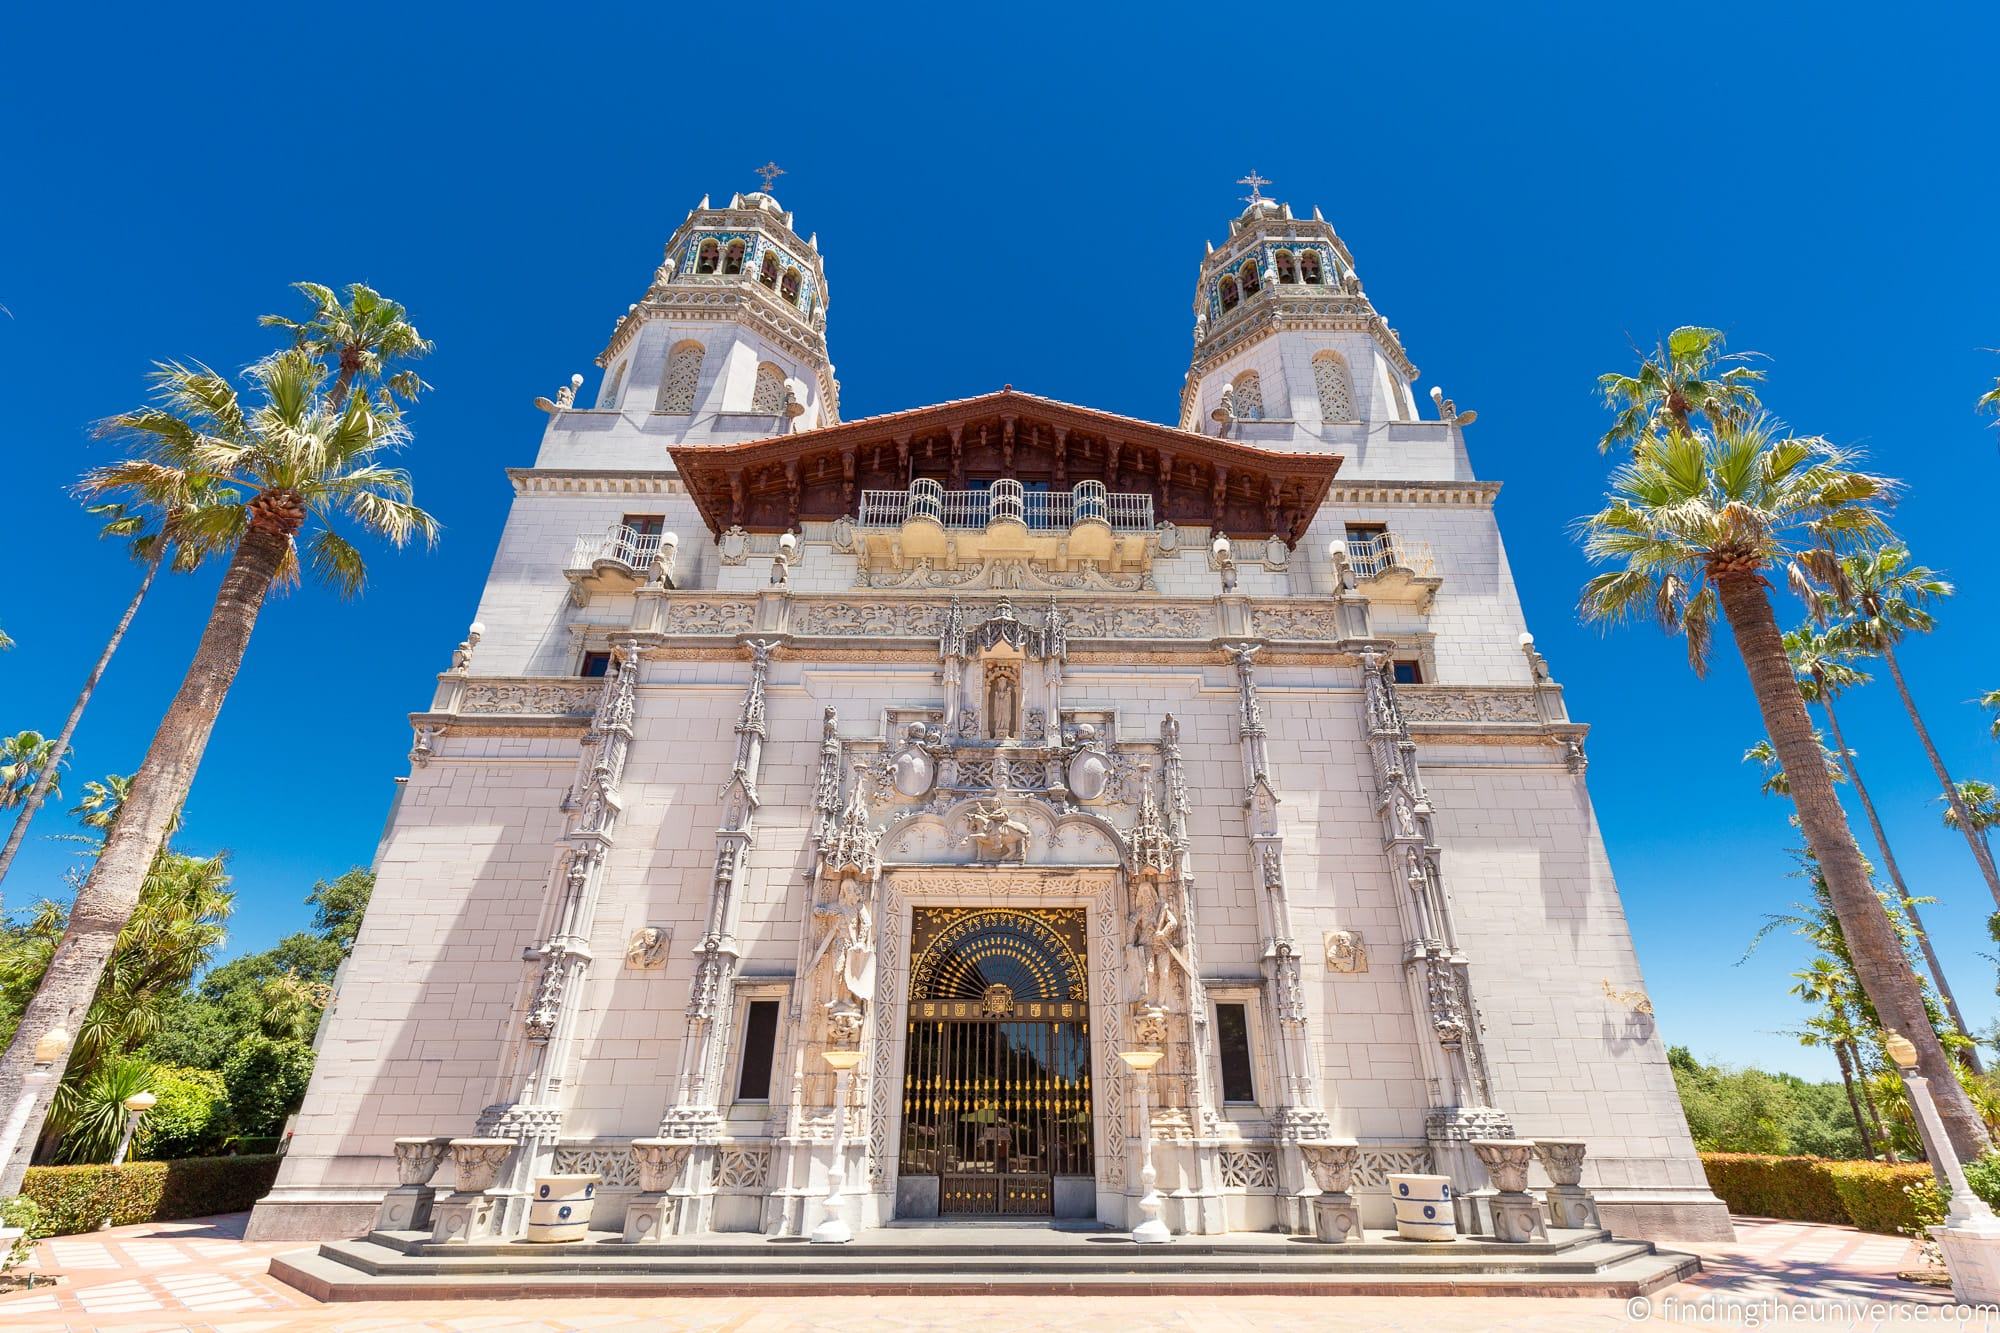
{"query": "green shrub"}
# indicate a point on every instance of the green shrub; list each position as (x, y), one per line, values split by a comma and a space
(1869, 1195)
(191, 1116)
(82, 1198)
(23, 1213)
(267, 1080)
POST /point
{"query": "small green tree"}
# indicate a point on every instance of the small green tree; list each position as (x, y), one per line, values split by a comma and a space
(191, 1118)
(267, 1080)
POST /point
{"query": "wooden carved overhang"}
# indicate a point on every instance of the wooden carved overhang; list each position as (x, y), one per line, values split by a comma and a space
(772, 485)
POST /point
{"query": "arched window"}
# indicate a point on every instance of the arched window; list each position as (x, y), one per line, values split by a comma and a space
(1287, 270)
(1336, 390)
(1249, 396)
(1247, 276)
(707, 257)
(732, 258)
(608, 396)
(1309, 270)
(1227, 290)
(788, 287)
(769, 277)
(769, 395)
(683, 375)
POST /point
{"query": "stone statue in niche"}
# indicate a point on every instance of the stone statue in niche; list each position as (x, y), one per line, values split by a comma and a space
(850, 936)
(1089, 770)
(1346, 951)
(996, 835)
(647, 949)
(914, 767)
(1003, 701)
(1155, 935)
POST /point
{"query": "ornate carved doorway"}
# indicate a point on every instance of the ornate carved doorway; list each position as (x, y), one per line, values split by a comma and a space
(996, 1084)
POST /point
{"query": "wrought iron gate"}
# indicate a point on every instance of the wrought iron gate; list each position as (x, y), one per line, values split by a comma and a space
(996, 1088)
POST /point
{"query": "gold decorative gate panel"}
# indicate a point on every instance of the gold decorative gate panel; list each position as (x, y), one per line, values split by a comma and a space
(996, 1088)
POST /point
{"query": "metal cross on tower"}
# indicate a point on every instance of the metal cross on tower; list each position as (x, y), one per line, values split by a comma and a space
(770, 171)
(1254, 181)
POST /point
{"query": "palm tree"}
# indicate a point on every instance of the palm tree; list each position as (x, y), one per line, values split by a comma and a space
(187, 508)
(1686, 375)
(1981, 803)
(1884, 597)
(1694, 522)
(297, 459)
(23, 756)
(1823, 984)
(1991, 702)
(1824, 672)
(1775, 783)
(360, 337)
(103, 800)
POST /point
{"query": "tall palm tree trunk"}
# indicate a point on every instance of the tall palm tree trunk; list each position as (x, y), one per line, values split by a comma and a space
(1879, 962)
(1980, 851)
(47, 777)
(106, 900)
(1854, 1101)
(1853, 772)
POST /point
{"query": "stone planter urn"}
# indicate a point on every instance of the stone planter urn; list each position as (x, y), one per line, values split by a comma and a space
(469, 1213)
(560, 1208)
(1423, 1207)
(408, 1206)
(1336, 1217)
(1570, 1205)
(1517, 1218)
(650, 1216)
(478, 1162)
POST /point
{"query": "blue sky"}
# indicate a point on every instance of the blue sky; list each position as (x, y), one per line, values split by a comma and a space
(1021, 195)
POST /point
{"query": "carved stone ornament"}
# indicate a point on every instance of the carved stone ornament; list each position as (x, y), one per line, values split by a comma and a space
(1507, 1161)
(477, 1162)
(1346, 951)
(1003, 701)
(417, 1160)
(734, 546)
(660, 1162)
(915, 765)
(997, 836)
(1149, 1023)
(1089, 771)
(843, 1024)
(647, 949)
(1331, 1164)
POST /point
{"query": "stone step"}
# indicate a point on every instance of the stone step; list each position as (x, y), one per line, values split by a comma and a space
(369, 1270)
(333, 1279)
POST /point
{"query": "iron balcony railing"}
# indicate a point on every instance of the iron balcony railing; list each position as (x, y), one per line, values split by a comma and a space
(1007, 500)
(1371, 556)
(619, 545)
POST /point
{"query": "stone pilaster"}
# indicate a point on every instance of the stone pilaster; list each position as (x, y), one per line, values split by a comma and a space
(1436, 969)
(695, 1114)
(1300, 1114)
(541, 1054)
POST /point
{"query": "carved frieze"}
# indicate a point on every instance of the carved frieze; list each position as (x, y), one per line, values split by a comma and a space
(560, 698)
(1432, 703)
(709, 615)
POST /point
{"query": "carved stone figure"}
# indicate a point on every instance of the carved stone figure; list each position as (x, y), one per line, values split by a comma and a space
(996, 835)
(647, 949)
(1346, 951)
(461, 656)
(1156, 934)
(915, 765)
(1003, 702)
(1090, 769)
(850, 936)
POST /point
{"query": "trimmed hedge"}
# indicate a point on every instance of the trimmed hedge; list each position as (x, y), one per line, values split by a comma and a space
(80, 1198)
(1868, 1195)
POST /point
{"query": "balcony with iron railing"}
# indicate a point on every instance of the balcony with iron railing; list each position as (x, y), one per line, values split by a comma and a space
(620, 559)
(1085, 522)
(1392, 567)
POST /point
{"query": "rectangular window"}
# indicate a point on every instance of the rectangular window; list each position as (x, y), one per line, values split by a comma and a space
(645, 525)
(1365, 532)
(595, 664)
(1409, 672)
(1232, 1040)
(760, 1047)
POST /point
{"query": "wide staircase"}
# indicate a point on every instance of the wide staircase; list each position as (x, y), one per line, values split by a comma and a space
(985, 1259)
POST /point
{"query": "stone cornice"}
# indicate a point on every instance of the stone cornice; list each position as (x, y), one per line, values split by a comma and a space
(1466, 493)
(594, 481)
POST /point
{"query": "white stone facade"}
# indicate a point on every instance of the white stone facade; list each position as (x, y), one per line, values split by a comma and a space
(1351, 784)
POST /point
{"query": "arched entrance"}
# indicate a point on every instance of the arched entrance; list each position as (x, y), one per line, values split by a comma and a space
(996, 1084)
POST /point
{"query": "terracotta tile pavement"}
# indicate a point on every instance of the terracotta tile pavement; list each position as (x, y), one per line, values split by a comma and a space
(202, 1277)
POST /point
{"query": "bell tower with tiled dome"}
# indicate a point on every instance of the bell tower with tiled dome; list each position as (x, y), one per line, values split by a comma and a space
(1284, 334)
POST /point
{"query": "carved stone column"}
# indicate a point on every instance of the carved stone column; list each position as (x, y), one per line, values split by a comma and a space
(1436, 969)
(1300, 1114)
(695, 1114)
(542, 1052)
